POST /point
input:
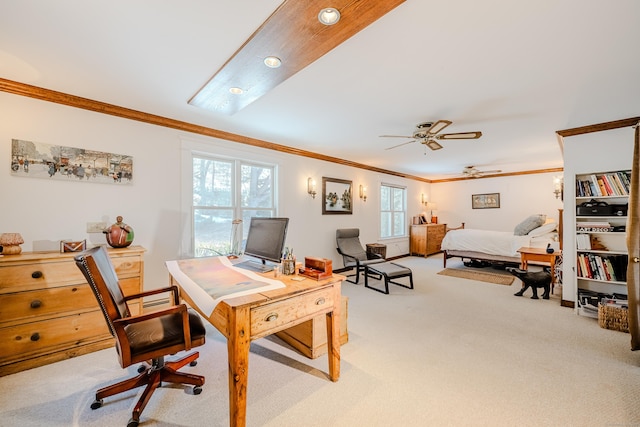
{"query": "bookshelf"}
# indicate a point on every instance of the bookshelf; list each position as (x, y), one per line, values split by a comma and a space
(600, 236)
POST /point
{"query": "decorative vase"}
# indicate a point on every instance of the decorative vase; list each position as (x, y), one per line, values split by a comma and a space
(119, 235)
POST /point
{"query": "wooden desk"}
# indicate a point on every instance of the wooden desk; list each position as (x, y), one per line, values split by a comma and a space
(246, 318)
(528, 255)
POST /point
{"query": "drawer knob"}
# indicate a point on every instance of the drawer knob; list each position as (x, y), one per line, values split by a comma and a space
(36, 303)
(35, 336)
(271, 317)
(320, 301)
(36, 274)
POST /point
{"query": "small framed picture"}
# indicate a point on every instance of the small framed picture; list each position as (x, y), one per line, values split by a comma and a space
(485, 201)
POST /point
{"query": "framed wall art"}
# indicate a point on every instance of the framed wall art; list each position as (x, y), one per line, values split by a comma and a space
(56, 162)
(337, 196)
(485, 201)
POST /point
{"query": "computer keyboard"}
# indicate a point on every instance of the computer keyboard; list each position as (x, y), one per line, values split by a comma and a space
(255, 266)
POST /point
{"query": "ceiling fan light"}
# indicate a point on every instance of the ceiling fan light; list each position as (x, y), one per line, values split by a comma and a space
(329, 16)
(433, 144)
(272, 62)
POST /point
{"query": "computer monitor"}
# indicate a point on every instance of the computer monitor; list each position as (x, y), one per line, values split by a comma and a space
(265, 241)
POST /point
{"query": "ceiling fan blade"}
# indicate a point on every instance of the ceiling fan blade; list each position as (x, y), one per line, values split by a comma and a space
(438, 126)
(396, 136)
(433, 144)
(460, 135)
(400, 145)
(490, 172)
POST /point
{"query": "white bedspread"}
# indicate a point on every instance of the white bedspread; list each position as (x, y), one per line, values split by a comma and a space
(503, 243)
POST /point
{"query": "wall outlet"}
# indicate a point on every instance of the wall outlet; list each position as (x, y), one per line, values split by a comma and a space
(96, 227)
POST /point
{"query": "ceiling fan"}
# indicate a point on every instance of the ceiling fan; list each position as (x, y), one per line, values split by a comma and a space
(473, 172)
(428, 133)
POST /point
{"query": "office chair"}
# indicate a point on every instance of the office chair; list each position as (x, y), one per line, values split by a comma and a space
(353, 254)
(143, 337)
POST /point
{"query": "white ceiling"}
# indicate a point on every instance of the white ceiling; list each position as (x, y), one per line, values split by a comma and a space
(515, 70)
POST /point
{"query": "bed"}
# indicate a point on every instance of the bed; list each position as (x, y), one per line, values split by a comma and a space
(499, 247)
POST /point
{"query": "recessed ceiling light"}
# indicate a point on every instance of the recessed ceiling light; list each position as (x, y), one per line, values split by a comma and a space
(236, 90)
(272, 61)
(329, 16)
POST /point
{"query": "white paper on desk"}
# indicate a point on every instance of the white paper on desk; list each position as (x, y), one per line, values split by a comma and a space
(210, 280)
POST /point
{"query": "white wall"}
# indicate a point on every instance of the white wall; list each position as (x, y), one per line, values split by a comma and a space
(595, 152)
(520, 196)
(46, 211)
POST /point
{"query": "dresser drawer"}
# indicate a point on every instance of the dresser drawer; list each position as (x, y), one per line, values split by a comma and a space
(279, 315)
(36, 275)
(35, 338)
(18, 307)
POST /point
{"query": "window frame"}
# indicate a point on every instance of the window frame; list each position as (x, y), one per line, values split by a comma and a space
(238, 158)
(405, 228)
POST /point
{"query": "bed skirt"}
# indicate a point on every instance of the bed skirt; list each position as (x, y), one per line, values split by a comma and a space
(479, 256)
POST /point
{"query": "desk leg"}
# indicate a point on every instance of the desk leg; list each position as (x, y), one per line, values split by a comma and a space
(333, 335)
(238, 353)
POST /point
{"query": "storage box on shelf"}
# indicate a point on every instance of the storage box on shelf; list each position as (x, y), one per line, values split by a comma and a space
(48, 311)
(600, 235)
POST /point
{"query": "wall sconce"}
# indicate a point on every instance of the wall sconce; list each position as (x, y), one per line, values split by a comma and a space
(311, 187)
(422, 199)
(363, 192)
(558, 187)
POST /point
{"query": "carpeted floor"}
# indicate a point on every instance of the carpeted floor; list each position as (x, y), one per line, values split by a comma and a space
(481, 276)
(451, 352)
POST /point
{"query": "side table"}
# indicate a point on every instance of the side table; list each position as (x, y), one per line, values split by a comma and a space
(377, 248)
(535, 255)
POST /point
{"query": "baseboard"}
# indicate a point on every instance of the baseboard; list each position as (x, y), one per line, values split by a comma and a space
(565, 303)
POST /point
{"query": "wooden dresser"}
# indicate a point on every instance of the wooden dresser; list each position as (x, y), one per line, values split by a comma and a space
(426, 239)
(48, 311)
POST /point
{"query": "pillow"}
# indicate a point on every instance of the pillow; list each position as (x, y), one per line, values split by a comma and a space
(543, 229)
(534, 221)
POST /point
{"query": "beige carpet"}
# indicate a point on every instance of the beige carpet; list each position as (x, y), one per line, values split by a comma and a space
(448, 353)
(481, 276)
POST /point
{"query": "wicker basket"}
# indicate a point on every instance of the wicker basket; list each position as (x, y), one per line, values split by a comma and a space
(614, 318)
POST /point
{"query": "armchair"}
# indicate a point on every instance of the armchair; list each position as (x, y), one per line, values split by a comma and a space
(143, 337)
(353, 254)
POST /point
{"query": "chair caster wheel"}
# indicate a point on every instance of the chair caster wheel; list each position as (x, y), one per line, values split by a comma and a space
(96, 404)
(133, 423)
(194, 363)
(197, 389)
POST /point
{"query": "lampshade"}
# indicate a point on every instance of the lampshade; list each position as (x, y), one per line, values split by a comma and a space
(10, 243)
(10, 239)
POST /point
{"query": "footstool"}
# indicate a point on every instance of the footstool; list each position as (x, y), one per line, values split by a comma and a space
(388, 271)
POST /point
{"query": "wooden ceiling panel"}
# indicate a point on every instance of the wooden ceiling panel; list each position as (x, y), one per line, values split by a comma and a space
(293, 34)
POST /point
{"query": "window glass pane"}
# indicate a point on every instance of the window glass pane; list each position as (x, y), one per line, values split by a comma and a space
(398, 199)
(212, 231)
(398, 224)
(256, 186)
(212, 182)
(385, 198)
(385, 224)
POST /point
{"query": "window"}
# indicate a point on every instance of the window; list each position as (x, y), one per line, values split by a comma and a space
(393, 216)
(225, 191)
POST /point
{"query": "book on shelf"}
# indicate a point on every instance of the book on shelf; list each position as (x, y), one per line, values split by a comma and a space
(606, 268)
(606, 184)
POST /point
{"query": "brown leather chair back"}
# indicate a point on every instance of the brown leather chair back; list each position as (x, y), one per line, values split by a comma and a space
(97, 268)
